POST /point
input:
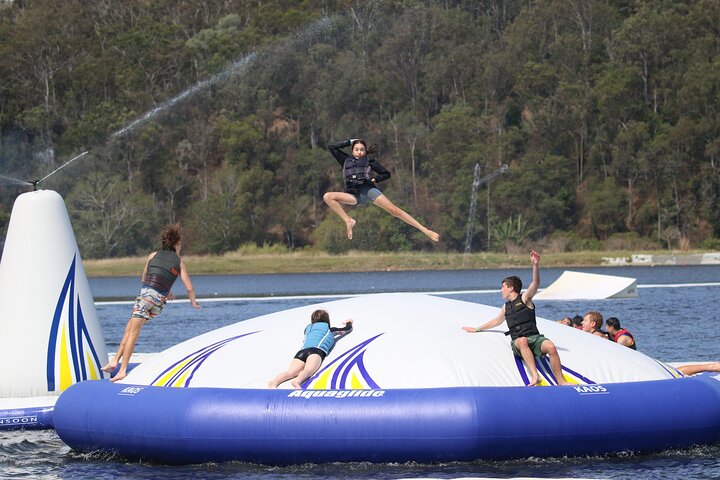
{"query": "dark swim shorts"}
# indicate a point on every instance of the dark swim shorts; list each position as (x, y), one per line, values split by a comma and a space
(303, 354)
(365, 195)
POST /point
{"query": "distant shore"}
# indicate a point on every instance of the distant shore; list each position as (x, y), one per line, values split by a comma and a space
(235, 263)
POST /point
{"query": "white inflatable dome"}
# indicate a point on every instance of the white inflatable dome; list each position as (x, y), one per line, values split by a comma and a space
(398, 341)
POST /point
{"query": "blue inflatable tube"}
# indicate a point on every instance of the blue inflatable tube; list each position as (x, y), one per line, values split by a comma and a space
(196, 425)
(30, 418)
(25, 416)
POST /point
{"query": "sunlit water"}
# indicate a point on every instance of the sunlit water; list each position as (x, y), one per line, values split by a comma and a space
(671, 322)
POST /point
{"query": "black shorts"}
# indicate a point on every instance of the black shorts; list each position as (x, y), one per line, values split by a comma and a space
(365, 194)
(303, 354)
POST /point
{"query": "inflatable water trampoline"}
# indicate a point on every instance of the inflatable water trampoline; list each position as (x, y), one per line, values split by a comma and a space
(408, 384)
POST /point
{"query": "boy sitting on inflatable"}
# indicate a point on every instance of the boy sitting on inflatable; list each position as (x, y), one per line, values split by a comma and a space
(519, 312)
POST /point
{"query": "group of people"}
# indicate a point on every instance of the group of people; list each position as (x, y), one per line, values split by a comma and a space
(361, 174)
(592, 323)
(527, 342)
(161, 270)
(163, 267)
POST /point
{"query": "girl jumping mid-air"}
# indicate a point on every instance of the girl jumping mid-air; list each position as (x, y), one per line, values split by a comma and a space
(360, 186)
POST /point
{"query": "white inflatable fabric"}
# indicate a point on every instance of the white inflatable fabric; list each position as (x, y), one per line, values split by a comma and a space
(398, 341)
(50, 331)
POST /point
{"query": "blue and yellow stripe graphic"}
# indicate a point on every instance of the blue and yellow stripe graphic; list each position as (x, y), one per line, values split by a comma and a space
(71, 355)
(546, 376)
(180, 373)
(347, 372)
(674, 372)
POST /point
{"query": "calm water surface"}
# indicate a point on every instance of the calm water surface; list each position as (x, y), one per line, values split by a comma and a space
(671, 321)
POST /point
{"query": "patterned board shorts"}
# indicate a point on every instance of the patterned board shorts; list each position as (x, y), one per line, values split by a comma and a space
(148, 304)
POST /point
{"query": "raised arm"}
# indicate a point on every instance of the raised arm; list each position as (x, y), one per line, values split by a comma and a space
(335, 149)
(535, 284)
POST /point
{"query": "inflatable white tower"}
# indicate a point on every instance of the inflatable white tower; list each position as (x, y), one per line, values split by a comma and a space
(51, 337)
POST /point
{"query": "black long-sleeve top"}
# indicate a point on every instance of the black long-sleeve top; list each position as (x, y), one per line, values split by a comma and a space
(381, 172)
(339, 332)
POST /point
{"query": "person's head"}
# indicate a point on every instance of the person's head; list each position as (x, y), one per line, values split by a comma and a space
(170, 237)
(566, 321)
(613, 325)
(360, 148)
(509, 286)
(592, 321)
(320, 316)
(577, 321)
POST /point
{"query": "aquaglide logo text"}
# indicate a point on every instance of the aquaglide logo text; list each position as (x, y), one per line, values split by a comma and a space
(335, 393)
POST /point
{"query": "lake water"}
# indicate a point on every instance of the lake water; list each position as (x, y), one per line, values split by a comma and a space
(674, 319)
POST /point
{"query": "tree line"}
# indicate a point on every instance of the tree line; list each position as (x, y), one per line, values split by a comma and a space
(217, 114)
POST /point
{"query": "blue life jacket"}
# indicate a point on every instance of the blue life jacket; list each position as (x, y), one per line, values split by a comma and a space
(318, 335)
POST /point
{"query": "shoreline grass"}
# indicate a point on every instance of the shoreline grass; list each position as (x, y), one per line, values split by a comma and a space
(241, 262)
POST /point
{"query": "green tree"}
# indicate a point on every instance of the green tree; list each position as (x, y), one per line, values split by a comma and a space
(109, 219)
(630, 158)
(455, 145)
(604, 209)
(541, 190)
(218, 224)
(510, 234)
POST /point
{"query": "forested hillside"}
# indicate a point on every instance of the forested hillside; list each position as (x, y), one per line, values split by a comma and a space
(218, 113)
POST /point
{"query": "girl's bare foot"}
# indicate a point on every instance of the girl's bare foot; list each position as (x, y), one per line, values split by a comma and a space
(109, 368)
(295, 385)
(349, 227)
(432, 235)
(533, 382)
(120, 375)
(272, 385)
